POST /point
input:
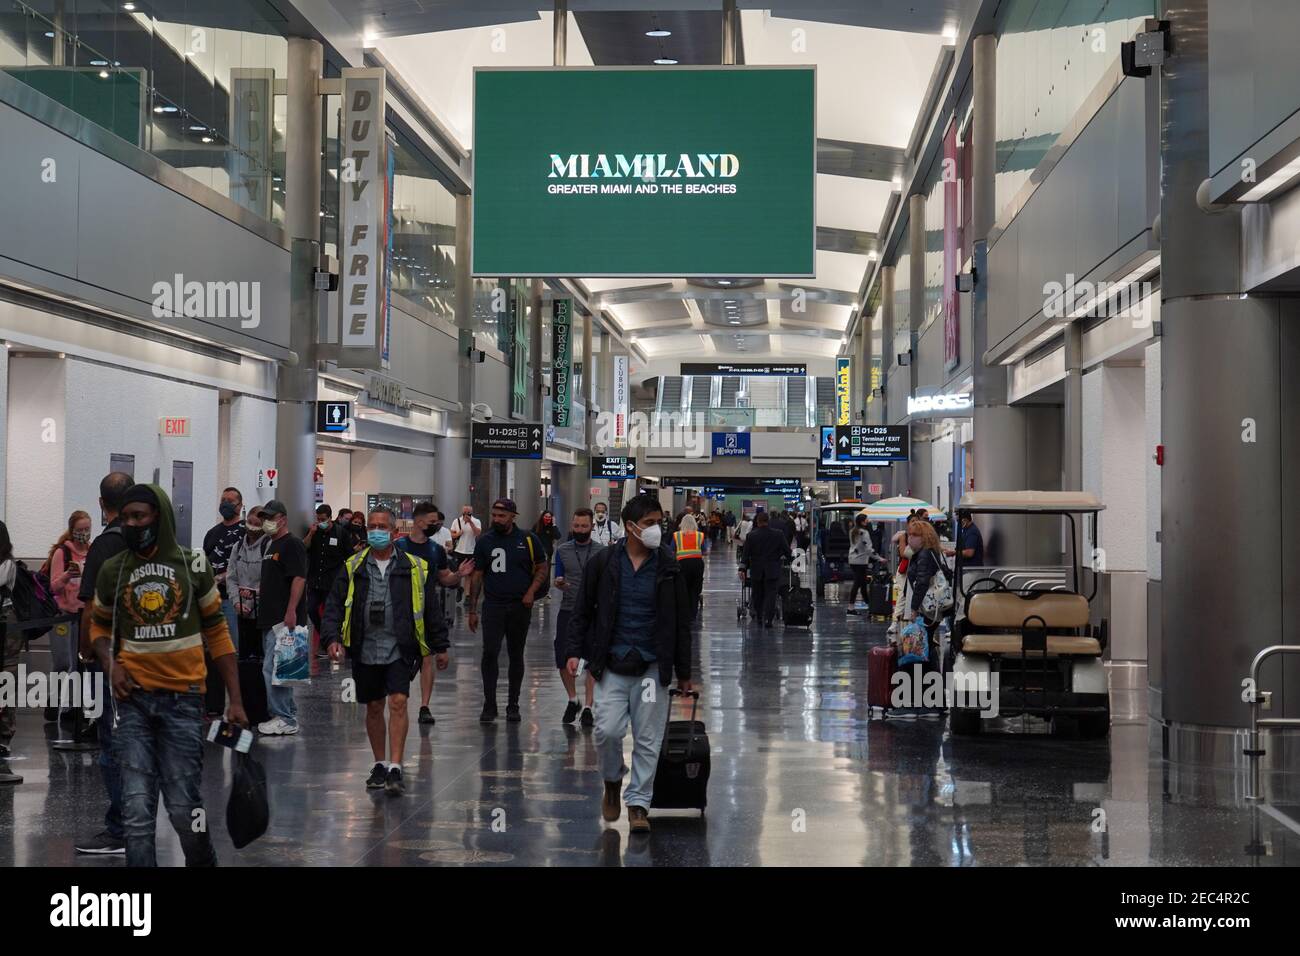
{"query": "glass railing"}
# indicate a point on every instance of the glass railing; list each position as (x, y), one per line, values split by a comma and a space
(198, 98)
(747, 417)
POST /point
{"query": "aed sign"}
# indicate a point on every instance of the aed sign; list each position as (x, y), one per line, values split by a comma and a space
(174, 427)
(955, 402)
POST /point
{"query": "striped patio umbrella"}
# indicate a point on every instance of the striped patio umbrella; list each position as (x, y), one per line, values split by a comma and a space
(897, 509)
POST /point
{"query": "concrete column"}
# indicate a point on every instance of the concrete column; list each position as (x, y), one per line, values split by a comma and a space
(887, 326)
(984, 135)
(1227, 430)
(730, 32)
(528, 474)
(295, 432)
(1072, 414)
(454, 471)
(918, 468)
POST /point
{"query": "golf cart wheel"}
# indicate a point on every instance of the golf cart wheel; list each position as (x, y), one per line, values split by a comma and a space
(964, 722)
(1094, 726)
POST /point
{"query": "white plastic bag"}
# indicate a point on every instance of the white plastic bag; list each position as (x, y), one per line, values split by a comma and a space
(292, 656)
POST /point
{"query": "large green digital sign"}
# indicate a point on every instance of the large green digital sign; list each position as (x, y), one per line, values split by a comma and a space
(644, 172)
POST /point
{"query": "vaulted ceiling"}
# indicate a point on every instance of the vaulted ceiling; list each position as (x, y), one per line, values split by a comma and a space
(874, 60)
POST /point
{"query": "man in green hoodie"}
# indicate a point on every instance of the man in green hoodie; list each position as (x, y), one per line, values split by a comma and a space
(156, 607)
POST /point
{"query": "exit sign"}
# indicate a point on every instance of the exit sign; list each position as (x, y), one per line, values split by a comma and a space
(174, 427)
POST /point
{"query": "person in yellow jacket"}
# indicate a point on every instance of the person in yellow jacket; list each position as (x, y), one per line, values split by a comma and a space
(689, 543)
(383, 611)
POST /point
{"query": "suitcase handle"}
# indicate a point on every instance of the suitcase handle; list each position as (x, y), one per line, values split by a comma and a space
(694, 695)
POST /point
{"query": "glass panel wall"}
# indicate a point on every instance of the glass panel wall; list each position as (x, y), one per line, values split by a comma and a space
(192, 83)
(1051, 56)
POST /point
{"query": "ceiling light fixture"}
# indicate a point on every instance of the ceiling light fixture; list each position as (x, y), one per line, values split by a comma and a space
(659, 32)
(665, 61)
(103, 74)
(949, 34)
(128, 6)
(99, 63)
(207, 139)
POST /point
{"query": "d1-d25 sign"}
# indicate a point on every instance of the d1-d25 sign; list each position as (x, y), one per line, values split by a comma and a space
(640, 171)
(507, 440)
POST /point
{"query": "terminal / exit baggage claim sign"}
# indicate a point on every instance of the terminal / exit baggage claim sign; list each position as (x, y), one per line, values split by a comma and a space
(680, 171)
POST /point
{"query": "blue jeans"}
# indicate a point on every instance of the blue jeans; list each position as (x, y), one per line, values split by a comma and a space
(279, 700)
(108, 767)
(160, 748)
(643, 703)
(232, 620)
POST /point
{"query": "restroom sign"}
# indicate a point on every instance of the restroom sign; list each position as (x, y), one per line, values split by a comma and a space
(174, 427)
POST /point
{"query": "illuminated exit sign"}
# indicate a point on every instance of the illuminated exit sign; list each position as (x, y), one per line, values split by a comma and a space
(174, 427)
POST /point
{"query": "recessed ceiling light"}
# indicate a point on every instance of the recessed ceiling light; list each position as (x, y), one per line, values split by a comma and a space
(659, 33)
(167, 109)
(724, 282)
(49, 35)
(157, 109)
(198, 129)
(99, 63)
(665, 61)
(734, 321)
(207, 139)
(103, 74)
(128, 6)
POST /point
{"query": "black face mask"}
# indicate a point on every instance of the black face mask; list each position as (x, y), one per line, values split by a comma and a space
(228, 510)
(433, 529)
(501, 527)
(582, 538)
(140, 538)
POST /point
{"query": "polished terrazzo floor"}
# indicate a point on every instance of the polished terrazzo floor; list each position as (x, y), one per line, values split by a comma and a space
(801, 776)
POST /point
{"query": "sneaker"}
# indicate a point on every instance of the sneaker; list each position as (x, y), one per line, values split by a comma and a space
(489, 714)
(610, 806)
(588, 719)
(900, 713)
(638, 820)
(512, 713)
(378, 777)
(426, 717)
(860, 606)
(102, 843)
(393, 786)
(7, 775)
(277, 725)
(570, 712)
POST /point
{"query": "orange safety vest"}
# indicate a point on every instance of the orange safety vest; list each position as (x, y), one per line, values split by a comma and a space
(692, 550)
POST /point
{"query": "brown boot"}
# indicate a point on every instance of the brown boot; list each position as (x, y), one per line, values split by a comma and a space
(611, 806)
(638, 820)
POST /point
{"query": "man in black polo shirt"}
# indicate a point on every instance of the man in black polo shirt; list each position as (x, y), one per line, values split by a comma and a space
(112, 489)
(329, 544)
(509, 569)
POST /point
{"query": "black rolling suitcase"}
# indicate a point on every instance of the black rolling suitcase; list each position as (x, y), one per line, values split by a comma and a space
(682, 777)
(252, 688)
(797, 607)
(878, 595)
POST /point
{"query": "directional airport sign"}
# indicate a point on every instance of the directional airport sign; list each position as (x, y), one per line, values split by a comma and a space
(613, 467)
(507, 440)
(333, 416)
(854, 443)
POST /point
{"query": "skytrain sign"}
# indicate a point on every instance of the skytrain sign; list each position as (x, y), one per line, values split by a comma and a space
(628, 171)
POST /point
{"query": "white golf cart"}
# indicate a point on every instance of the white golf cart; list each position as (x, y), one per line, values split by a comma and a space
(1027, 631)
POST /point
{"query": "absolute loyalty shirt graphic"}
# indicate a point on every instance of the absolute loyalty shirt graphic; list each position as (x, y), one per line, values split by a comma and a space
(153, 600)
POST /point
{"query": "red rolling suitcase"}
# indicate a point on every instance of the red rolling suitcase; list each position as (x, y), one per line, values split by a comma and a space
(880, 669)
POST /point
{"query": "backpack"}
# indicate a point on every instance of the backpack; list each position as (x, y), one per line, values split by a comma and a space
(32, 599)
(47, 567)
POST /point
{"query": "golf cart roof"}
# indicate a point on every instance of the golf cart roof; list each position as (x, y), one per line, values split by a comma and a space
(1011, 502)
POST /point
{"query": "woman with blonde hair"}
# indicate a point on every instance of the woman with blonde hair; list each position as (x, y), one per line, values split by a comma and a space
(689, 543)
(66, 559)
(926, 561)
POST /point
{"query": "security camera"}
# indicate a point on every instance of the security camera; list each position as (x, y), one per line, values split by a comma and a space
(482, 408)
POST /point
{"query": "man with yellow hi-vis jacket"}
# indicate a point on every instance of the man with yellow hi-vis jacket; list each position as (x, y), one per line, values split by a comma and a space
(383, 609)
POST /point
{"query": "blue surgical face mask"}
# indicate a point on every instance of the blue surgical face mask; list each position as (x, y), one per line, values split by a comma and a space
(378, 538)
(323, 525)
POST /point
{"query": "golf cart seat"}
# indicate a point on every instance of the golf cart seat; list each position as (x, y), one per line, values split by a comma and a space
(995, 620)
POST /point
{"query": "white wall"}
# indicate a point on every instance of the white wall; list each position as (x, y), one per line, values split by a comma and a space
(375, 471)
(114, 410)
(338, 479)
(1114, 465)
(38, 443)
(251, 446)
